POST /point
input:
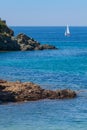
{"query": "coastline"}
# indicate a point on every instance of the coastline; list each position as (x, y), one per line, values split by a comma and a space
(65, 68)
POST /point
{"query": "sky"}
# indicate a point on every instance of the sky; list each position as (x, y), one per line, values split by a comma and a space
(44, 12)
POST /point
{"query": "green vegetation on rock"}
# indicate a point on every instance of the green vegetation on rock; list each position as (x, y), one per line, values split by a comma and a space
(4, 29)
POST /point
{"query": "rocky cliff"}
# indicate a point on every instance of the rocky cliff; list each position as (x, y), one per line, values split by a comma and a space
(4, 29)
(27, 91)
(21, 42)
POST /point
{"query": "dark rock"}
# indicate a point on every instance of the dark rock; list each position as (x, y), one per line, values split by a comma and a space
(7, 44)
(26, 43)
(4, 29)
(17, 92)
(22, 42)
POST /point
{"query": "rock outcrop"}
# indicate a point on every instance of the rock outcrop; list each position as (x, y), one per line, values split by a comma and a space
(27, 43)
(27, 91)
(21, 42)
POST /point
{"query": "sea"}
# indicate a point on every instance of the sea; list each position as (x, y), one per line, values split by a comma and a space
(64, 68)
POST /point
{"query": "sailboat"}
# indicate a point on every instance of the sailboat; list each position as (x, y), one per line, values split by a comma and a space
(67, 32)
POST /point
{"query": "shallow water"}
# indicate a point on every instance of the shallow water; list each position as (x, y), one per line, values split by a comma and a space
(52, 69)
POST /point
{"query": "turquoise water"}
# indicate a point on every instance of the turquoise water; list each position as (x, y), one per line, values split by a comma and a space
(52, 69)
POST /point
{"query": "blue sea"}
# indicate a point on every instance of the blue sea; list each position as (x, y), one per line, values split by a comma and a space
(65, 68)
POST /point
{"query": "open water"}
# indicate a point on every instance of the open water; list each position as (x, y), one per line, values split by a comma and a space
(52, 69)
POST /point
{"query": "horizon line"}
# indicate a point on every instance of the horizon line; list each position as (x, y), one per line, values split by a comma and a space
(47, 25)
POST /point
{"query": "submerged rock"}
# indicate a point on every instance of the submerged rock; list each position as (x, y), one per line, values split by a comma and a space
(28, 91)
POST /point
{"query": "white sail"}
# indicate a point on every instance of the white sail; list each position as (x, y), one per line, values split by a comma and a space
(67, 32)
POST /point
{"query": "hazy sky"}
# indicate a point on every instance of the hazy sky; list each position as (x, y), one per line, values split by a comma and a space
(44, 12)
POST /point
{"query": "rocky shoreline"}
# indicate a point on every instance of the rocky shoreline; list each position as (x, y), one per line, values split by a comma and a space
(22, 42)
(28, 91)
